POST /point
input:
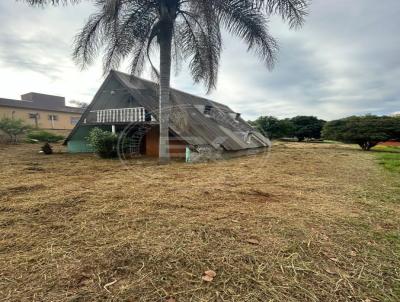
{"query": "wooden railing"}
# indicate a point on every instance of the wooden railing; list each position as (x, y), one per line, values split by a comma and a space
(122, 115)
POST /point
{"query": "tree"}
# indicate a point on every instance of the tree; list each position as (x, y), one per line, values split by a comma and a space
(13, 128)
(366, 131)
(178, 29)
(307, 127)
(273, 127)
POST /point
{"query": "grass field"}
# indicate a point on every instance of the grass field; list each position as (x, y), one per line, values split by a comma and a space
(389, 157)
(307, 222)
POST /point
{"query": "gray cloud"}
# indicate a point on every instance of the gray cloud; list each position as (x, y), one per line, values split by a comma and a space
(344, 61)
(34, 39)
(34, 54)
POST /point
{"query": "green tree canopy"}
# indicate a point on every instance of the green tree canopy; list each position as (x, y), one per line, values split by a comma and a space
(307, 127)
(273, 127)
(300, 127)
(366, 131)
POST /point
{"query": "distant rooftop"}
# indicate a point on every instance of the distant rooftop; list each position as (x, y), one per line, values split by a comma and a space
(40, 101)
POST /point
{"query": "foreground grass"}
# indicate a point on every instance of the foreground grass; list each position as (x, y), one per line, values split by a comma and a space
(389, 157)
(308, 222)
(390, 161)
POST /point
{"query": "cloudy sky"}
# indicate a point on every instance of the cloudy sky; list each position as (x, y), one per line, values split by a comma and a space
(344, 61)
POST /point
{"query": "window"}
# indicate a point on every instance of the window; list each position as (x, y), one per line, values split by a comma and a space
(74, 120)
(207, 109)
(53, 117)
(33, 115)
(235, 116)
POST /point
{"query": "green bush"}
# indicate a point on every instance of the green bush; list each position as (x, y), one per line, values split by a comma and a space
(44, 136)
(13, 128)
(103, 142)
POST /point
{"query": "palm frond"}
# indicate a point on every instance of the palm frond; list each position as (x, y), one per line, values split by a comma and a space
(242, 20)
(121, 26)
(130, 29)
(89, 40)
(49, 2)
(293, 11)
(210, 38)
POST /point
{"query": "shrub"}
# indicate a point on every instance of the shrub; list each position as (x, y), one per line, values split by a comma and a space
(47, 149)
(13, 127)
(103, 142)
(44, 136)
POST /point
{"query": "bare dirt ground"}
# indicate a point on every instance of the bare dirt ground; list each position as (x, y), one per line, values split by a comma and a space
(308, 222)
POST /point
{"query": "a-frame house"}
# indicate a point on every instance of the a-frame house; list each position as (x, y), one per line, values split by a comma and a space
(128, 106)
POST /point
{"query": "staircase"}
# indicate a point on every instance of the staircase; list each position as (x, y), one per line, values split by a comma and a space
(131, 142)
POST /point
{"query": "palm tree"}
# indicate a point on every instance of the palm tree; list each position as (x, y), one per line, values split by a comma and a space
(179, 30)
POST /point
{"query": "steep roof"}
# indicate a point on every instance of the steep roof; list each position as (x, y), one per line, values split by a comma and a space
(221, 128)
(24, 104)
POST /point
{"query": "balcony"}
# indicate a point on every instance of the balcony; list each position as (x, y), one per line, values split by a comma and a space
(121, 115)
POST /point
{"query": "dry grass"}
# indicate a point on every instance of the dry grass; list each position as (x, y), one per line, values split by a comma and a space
(310, 222)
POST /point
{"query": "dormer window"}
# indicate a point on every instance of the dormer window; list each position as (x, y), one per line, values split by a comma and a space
(235, 116)
(207, 109)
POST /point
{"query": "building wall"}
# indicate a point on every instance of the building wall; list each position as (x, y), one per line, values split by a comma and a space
(114, 96)
(177, 147)
(78, 143)
(63, 121)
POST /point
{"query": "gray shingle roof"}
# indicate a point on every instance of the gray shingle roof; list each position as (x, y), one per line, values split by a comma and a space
(220, 129)
(32, 105)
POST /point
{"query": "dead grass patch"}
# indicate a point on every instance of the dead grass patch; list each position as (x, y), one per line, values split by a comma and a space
(312, 222)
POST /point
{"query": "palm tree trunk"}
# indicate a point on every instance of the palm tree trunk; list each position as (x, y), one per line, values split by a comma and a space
(165, 41)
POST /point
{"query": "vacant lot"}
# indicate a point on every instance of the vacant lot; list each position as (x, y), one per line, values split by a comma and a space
(307, 222)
